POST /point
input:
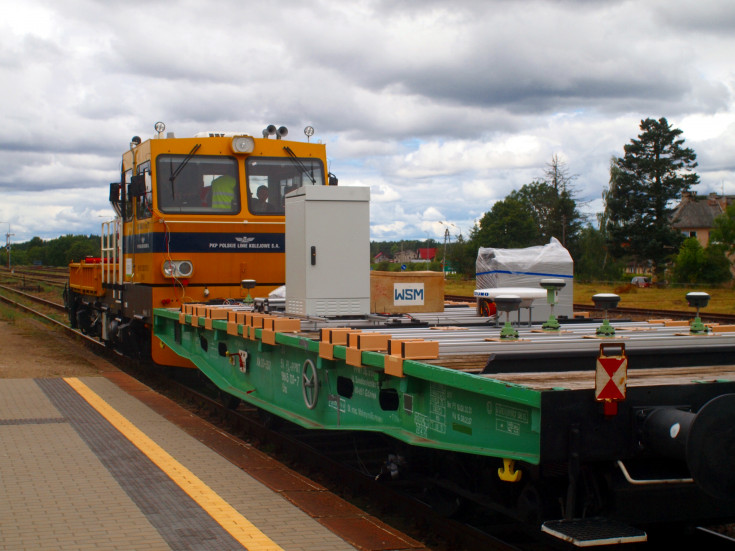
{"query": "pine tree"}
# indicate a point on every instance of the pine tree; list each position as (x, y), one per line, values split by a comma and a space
(655, 170)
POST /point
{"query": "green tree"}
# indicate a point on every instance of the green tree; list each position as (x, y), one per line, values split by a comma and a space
(540, 199)
(689, 261)
(461, 255)
(554, 211)
(56, 250)
(36, 251)
(509, 224)
(716, 265)
(565, 221)
(81, 249)
(552, 204)
(695, 264)
(724, 229)
(591, 262)
(17, 258)
(654, 171)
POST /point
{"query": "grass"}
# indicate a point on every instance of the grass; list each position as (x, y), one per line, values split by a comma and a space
(722, 300)
(8, 314)
(462, 287)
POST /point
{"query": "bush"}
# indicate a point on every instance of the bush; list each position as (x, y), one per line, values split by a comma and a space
(695, 264)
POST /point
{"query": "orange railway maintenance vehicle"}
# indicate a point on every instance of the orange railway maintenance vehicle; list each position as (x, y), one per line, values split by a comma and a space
(198, 220)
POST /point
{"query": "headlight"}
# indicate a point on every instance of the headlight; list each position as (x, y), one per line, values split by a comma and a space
(243, 144)
(177, 268)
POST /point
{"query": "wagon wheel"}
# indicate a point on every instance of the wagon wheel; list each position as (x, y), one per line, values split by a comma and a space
(309, 384)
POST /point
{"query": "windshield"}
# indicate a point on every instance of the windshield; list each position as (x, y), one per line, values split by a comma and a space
(270, 179)
(201, 185)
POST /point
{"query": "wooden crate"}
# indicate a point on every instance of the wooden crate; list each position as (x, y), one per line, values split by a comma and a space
(402, 292)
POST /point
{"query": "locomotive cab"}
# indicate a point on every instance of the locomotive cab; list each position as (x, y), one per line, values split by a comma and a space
(194, 217)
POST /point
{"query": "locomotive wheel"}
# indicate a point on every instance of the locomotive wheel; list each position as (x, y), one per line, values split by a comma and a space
(73, 315)
(83, 319)
(309, 384)
(70, 301)
(136, 341)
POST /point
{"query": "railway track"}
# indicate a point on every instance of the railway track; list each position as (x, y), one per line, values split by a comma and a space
(352, 466)
(33, 298)
(24, 278)
(60, 271)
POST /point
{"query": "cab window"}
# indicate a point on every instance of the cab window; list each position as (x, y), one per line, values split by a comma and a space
(197, 185)
(143, 203)
(270, 179)
(128, 207)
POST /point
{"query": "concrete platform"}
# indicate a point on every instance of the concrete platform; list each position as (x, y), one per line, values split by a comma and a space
(104, 463)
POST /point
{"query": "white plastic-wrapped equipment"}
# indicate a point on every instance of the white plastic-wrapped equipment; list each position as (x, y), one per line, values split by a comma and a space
(526, 268)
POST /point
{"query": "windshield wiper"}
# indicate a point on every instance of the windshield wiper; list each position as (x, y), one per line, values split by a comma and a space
(175, 173)
(297, 162)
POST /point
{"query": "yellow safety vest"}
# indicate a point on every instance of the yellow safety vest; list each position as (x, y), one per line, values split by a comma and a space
(223, 192)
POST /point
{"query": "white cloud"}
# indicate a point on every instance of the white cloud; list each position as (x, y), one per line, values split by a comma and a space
(437, 108)
(384, 193)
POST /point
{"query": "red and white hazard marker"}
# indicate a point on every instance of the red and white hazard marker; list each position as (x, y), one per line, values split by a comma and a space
(611, 376)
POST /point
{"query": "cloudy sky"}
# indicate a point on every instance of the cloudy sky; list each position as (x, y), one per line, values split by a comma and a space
(442, 108)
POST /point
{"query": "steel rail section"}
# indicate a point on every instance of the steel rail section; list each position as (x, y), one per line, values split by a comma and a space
(576, 338)
(79, 334)
(39, 300)
(27, 276)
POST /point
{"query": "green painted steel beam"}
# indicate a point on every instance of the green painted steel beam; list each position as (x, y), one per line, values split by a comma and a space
(430, 406)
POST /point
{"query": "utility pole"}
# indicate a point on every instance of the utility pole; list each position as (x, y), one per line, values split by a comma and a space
(7, 243)
(444, 259)
(7, 237)
(446, 238)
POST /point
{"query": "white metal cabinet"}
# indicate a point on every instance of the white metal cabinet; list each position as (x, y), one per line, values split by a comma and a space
(328, 251)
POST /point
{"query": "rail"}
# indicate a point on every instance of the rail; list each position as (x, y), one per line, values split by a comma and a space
(39, 300)
(30, 276)
(77, 334)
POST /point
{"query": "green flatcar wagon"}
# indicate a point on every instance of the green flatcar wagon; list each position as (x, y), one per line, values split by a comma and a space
(568, 432)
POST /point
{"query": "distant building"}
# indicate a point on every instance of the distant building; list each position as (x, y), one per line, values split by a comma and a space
(695, 216)
(418, 255)
(427, 254)
(405, 256)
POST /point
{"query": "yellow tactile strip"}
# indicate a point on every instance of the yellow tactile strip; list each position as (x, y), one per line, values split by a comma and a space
(222, 512)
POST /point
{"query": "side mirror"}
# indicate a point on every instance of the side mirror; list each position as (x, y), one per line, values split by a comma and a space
(115, 192)
(333, 181)
(137, 186)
